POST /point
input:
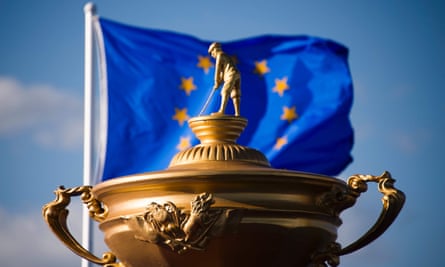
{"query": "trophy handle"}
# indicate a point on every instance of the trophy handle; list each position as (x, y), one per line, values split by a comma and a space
(392, 199)
(56, 214)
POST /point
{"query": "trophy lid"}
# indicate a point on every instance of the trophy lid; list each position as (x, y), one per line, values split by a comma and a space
(218, 134)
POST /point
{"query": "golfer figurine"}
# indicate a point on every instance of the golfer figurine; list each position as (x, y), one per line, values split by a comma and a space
(226, 73)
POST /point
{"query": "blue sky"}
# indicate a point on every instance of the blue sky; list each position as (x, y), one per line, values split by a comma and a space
(397, 60)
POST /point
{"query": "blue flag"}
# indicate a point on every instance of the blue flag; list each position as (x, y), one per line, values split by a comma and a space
(296, 94)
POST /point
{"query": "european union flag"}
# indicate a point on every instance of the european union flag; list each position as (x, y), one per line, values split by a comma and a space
(296, 95)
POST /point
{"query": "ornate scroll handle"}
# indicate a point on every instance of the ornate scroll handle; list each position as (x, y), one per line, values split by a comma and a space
(392, 199)
(56, 214)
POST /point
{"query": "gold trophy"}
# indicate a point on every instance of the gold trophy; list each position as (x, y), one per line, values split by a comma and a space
(222, 204)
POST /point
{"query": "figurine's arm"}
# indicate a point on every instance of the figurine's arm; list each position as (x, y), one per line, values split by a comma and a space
(218, 72)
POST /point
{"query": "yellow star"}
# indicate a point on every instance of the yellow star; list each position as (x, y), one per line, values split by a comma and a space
(280, 86)
(187, 85)
(280, 143)
(180, 115)
(184, 143)
(261, 67)
(289, 114)
(204, 63)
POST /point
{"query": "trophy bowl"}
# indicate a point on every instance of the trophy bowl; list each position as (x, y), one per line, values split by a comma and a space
(221, 204)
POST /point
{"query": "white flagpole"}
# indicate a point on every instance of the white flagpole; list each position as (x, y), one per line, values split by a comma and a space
(89, 10)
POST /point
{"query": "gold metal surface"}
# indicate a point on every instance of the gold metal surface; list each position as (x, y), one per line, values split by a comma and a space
(392, 200)
(176, 228)
(217, 135)
(55, 214)
(257, 216)
(250, 214)
(227, 75)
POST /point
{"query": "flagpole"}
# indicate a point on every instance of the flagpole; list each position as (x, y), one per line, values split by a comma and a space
(89, 11)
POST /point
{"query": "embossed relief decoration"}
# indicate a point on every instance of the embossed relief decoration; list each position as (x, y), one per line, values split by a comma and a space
(179, 230)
